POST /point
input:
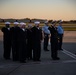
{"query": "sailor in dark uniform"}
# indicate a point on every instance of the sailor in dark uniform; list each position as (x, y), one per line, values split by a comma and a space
(14, 37)
(29, 42)
(22, 42)
(37, 37)
(6, 40)
(54, 41)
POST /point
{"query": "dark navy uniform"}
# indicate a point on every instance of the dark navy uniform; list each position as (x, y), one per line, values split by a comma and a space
(54, 42)
(6, 42)
(22, 44)
(15, 43)
(29, 43)
(37, 37)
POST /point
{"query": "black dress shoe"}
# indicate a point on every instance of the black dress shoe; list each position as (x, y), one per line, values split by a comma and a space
(34, 60)
(61, 49)
(7, 58)
(15, 60)
(57, 58)
(38, 60)
(22, 61)
(30, 58)
(46, 50)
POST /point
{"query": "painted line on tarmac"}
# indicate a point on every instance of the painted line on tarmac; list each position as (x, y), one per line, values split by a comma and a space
(69, 54)
(69, 61)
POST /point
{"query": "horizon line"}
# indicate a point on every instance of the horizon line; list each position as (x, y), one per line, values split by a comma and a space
(38, 18)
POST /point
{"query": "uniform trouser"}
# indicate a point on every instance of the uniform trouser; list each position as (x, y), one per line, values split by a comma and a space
(29, 50)
(60, 36)
(15, 51)
(54, 48)
(22, 51)
(36, 51)
(46, 39)
(7, 49)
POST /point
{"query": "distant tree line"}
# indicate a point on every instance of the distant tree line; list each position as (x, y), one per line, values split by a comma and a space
(28, 20)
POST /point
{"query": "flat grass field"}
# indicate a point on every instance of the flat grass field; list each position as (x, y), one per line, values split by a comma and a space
(66, 26)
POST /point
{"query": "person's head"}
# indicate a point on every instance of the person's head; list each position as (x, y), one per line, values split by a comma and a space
(29, 26)
(16, 24)
(22, 25)
(46, 23)
(54, 23)
(7, 24)
(37, 23)
(60, 22)
(16, 21)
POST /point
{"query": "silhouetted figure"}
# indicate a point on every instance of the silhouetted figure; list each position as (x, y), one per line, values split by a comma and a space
(29, 42)
(54, 41)
(15, 43)
(6, 40)
(37, 37)
(22, 42)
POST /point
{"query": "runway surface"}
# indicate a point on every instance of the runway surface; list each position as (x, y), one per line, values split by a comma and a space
(65, 66)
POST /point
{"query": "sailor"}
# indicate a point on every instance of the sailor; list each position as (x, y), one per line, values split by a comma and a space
(46, 33)
(6, 40)
(54, 41)
(60, 35)
(14, 37)
(37, 37)
(22, 38)
(29, 42)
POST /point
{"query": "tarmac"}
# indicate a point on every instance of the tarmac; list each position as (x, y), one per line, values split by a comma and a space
(65, 66)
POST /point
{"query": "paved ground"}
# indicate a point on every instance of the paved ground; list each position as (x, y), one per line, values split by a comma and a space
(69, 36)
(47, 66)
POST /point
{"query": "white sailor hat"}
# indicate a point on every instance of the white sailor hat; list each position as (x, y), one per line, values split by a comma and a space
(29, 25)
(46, 21)
(22, 23)
(7, 22)
(16, 23)
(54, 21)
(60, 21)
(37, 22)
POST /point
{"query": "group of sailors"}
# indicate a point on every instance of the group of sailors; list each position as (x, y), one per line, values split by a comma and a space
(56, 38)
(25, 42)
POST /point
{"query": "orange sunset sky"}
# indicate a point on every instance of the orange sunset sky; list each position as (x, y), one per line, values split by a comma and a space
(40, 9)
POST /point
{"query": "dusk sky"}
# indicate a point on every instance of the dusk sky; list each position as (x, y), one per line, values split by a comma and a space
(40, 9)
